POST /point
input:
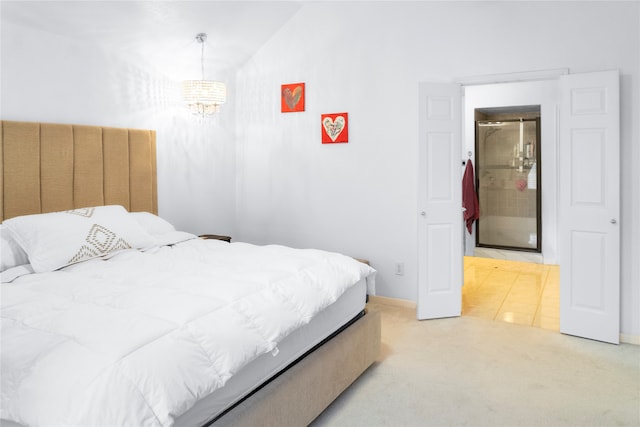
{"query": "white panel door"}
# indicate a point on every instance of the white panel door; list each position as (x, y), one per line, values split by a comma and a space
(589, 206)
(439, 202)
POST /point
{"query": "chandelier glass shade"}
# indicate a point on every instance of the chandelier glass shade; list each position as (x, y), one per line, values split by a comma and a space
(203, 97)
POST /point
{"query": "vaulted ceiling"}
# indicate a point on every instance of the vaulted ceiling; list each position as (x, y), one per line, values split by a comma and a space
(161, 33)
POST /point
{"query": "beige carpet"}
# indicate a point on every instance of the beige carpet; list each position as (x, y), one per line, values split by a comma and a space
(474, 372)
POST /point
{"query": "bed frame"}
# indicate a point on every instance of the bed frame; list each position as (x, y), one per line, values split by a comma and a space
(51, 167)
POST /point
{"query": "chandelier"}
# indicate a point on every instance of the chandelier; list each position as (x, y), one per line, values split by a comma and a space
(203, 97)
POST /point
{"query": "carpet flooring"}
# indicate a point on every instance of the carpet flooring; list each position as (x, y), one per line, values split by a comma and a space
(470, 371)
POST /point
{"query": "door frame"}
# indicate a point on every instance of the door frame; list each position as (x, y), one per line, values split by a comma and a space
(555, 83)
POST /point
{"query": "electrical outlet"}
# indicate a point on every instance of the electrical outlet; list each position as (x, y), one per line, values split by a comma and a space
(399, 268)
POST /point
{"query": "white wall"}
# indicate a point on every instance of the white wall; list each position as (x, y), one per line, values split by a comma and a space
(366, 58)
(51, 78)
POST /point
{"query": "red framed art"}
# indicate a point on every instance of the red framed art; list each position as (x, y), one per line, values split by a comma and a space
(335, 128)
(292, 98)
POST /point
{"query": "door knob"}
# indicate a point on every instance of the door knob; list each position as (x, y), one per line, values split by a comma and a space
(613, 221)
(423, 213)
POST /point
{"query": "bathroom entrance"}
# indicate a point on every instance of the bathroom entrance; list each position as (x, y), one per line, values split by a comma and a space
(508, 170)
(506, 277)
(582, 111)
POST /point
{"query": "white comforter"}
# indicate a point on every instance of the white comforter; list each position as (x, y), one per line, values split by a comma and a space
(138, 339)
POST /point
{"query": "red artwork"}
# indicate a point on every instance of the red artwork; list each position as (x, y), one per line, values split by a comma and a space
(292, 98)
(335, 128)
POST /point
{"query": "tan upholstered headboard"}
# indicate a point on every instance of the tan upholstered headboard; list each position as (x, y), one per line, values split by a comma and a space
(52, 167)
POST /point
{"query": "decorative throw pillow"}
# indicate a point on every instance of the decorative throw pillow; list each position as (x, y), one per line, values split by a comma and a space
(57, 239)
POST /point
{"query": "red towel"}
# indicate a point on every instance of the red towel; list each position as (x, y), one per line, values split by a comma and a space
(469, 196)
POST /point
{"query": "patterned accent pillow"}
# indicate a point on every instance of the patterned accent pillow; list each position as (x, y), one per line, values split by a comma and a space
(55, 240)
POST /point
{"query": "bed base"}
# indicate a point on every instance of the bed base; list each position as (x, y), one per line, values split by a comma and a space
(300, 394)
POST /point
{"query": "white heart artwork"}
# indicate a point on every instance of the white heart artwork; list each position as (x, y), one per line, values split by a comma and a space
(333, 127)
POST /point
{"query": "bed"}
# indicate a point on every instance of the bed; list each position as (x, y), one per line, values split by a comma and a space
(110, 316)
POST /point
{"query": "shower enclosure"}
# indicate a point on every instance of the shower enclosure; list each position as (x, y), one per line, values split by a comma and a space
(508, 180)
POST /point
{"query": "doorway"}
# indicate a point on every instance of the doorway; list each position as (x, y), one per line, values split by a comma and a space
(588, 110)
(510, 267)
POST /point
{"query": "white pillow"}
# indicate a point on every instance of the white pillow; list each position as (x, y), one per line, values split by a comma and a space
(163, 232)
(153, 224)
(11, 254)
(55, 240)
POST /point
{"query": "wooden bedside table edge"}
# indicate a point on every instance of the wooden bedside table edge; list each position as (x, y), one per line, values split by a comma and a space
(215, 237)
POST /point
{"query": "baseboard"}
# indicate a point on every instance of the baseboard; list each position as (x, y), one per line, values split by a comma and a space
(630, 339)
(397, 302)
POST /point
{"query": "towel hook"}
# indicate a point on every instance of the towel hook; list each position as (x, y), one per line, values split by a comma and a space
(469, 154)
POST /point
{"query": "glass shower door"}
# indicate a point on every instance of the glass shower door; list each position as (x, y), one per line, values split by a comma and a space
(508, 182)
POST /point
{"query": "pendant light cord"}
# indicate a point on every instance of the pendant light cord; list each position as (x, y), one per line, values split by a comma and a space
(202, 58)
(202, 37)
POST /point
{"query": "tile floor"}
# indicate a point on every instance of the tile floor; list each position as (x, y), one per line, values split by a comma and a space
(512, 291)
